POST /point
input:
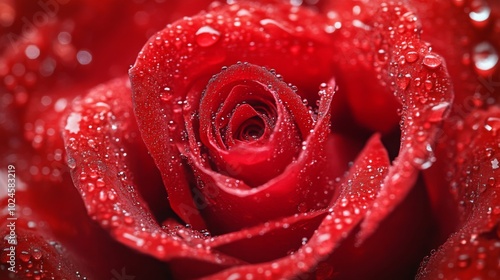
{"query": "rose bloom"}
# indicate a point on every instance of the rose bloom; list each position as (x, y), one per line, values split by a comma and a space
(313, 139)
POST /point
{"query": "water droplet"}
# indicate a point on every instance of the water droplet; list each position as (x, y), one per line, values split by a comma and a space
(234, 276)
(438, 112)
(423, 157)
(100, 183)
(304, 240)
(73, 123)
(424, 163)
(431, 61)
(492, 124)
(172, 126)
(463, 261)
(71, 162)
(480, 16)
(84, 57)
(64, 38)
(138, 241)
(403, 81)
(411, 56)
(494, 164)
(92, 143)
(302, 208)
(24, 256)
(102, 107)
(428, 84)
(90, 187)
(60, 105)
(382, 55)
(485, 58)
(37, 254)
(270, 22)
(418, 82)
(206, 36)
(491, 181)
(103, 196)
(32, 52)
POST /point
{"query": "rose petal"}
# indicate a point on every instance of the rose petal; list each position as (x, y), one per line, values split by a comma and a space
(50, 241)
(96, 133)
(472, 174)
(345, 214)
(371, 102)
(270, 241)
(474, 28)
(33, 255)
(419, 79)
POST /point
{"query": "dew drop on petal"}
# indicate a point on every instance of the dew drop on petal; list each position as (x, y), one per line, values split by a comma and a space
(24, 256)
(428, 84)
(73, 123)
(423, 158)
(137, 240)
(270, 22)
(463, 261)
(411, 56)
(485, 58)
(480, 16)
(234, 276)
(37, 254)
(438, 111)
(403, 81)
(84, 57)
(491, 181)
(60, 105)
(103, 196)
(71, 162)
(32, 52)
(494, 164)
(431, 61)
(206, 36)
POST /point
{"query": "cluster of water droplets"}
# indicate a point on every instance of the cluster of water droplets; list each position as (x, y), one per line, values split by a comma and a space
(31, 61)
(483, 54)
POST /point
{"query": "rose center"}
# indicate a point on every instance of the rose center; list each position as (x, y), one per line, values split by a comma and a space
(252, 119)
(248, 124)
(252, 129)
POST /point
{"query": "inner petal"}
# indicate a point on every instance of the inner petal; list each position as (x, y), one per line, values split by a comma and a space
(243, 103)
(248, 126)
(242, 122)
(252, 129)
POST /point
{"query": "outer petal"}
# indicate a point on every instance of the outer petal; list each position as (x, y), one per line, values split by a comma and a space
(99, 133)
(345, 214)
(473, 176)
(32, 252)
(473, 28)
(56, 236)
(419, 79)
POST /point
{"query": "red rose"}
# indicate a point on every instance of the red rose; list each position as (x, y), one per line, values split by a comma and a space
(253, 140)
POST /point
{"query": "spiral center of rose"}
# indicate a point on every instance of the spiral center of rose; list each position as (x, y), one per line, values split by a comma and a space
(252, 129)
(247, 124)
(252, 119)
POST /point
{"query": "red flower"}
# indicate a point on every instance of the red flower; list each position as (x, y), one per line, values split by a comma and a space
(252, 140)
